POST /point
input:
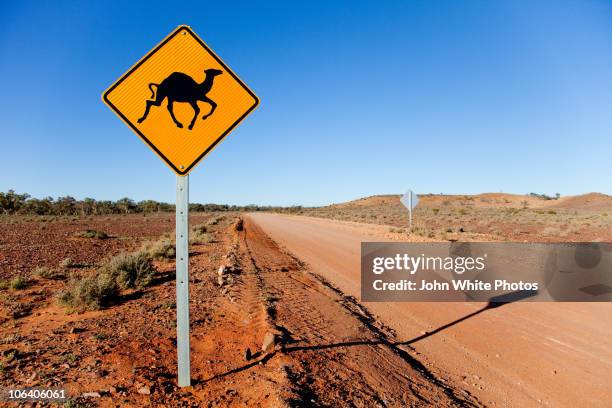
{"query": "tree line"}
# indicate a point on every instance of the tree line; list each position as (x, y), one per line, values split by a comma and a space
(16, 203)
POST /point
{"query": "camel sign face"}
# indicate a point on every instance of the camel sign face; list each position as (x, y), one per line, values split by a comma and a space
(181, 99)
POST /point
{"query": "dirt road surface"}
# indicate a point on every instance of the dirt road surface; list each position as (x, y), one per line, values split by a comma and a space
(333, 353)
(520, 354)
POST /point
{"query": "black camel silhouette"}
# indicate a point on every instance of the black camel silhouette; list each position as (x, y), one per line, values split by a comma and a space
(179, 87)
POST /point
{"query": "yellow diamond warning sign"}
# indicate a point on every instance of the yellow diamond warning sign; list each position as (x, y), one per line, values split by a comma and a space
(181, 99)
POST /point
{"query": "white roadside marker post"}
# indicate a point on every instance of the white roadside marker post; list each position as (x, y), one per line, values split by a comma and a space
(182, 280)
(410, 211)
(410, 200)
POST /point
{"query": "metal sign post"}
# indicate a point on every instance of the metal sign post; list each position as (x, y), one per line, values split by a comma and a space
(182, 280)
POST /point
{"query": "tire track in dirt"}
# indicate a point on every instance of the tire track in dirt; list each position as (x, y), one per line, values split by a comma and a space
(333, 353)
(242, 283)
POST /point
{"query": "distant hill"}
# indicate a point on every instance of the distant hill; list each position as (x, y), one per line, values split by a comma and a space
(488, 216)
(590, 201)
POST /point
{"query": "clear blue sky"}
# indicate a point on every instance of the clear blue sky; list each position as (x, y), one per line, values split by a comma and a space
(357, 98)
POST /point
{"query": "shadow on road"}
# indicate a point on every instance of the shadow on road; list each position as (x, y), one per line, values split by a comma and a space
(493, 303)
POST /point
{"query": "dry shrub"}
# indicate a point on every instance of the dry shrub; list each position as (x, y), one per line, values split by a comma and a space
(48, 273)
(215, 220)
(66, 263)
(18, 283)
(160, 250)
(199, 235)
(90, 292)
(92, 234)
(125, 271)
(200, 229)
(130, 270)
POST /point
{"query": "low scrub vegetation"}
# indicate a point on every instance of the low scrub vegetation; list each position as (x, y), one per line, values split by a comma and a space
(200, 229)
(90, 292)
(199, 235)
(214, 220)
(93, 291)
(67, 263)
(18, 283)
(397, 230)
(92, 234)
(163, 250)
(48, 273)
(130, 271)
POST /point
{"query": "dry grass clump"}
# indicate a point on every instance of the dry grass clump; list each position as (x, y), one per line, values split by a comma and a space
(48, 273)
(67, 263)
(125, 271)
(91, 292)
(200, 229)
(18, 283)
(130, 271)
(92, 234)
(160, 250)
(199, 235)
(215, 220)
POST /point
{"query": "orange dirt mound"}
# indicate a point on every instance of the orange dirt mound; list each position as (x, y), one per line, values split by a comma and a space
(372, 201)
(590, 201)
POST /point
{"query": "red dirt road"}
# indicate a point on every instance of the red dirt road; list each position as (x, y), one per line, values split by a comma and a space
(521, 354)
